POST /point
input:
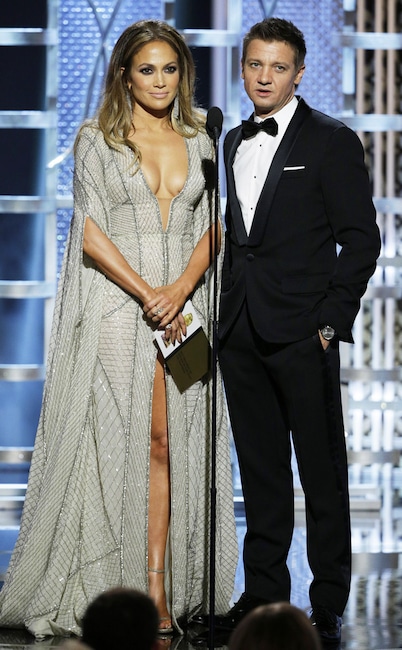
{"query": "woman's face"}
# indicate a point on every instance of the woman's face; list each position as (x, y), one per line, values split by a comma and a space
(154, 77)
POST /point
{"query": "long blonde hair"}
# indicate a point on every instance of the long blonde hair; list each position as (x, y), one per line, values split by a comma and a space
(115, 113)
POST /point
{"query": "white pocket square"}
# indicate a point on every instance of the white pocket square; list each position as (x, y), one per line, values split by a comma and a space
(292, 169)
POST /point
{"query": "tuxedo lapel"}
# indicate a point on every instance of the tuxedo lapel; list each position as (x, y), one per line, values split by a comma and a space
(274, 174)
(237, 222)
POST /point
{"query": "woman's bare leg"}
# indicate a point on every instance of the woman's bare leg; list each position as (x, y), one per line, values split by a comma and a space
(159, 496)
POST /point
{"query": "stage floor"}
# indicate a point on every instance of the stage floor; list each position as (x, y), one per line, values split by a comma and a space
(360, 631)
(373, 617)
(359, 634)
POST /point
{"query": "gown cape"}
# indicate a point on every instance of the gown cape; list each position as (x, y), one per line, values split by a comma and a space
(84, 523)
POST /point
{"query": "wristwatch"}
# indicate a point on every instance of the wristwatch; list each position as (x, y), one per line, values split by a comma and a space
(327, 332)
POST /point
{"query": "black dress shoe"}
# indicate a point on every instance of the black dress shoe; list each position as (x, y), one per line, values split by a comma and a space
(229, 621)
(220, 639)
(327, 623)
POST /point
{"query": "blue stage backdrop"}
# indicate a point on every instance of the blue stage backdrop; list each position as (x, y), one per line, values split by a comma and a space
(88, 31)
(89, 28)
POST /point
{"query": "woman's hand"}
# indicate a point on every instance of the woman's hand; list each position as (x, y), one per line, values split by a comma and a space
(171, 298)
(167, 304)
(165, 309)
(175, 330)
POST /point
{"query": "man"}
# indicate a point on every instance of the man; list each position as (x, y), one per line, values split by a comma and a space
(301, 245)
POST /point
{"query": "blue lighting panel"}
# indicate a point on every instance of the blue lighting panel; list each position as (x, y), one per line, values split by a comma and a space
(321, 86)
(88, 30)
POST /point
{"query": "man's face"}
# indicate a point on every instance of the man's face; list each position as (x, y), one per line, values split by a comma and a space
(270, 75)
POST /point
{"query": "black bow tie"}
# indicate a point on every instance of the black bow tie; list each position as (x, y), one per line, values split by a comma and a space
(250, 128)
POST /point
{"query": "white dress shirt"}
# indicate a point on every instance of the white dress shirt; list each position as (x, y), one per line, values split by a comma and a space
(253, 160)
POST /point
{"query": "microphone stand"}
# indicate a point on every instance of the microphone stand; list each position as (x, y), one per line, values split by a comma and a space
(214, 131)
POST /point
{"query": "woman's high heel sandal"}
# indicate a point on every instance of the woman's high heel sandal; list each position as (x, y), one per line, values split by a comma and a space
(161, 629)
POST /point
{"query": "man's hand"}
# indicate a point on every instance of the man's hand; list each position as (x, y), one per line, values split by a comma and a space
(324, 343)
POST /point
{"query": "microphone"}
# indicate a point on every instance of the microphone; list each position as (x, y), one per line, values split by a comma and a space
(214, 128)
(214, 122)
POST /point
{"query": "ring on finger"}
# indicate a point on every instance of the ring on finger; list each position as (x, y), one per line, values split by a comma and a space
(158, 311)
(169, 326)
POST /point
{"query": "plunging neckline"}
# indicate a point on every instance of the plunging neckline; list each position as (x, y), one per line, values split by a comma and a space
(176, 196)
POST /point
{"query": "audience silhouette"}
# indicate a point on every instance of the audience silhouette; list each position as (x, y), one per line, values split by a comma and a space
(277, 626)
(119, 619)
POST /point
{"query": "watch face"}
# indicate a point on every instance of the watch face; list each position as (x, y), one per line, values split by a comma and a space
(328, 332)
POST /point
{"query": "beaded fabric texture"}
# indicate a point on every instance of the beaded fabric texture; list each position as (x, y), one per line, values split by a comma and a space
(84, 525)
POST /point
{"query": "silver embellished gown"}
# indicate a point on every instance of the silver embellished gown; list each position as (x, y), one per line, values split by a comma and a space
(84, 525)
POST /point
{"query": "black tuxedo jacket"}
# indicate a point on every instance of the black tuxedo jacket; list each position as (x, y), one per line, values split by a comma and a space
(314, 240)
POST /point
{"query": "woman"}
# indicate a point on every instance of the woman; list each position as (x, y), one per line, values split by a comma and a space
(118, 489)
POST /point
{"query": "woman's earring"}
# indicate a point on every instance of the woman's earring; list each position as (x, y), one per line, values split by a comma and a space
(129, 97)
(176, 108)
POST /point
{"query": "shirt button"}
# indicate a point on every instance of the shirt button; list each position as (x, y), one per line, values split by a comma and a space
(249, 257)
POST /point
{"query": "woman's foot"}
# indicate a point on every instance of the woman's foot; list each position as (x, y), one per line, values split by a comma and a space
(156, 585)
